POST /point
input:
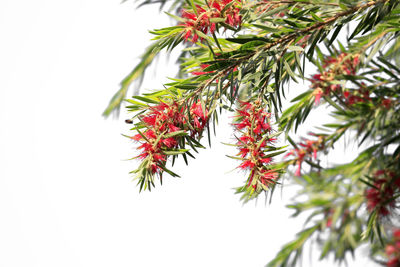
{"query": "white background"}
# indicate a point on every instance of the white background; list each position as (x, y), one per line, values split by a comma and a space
(66, 198)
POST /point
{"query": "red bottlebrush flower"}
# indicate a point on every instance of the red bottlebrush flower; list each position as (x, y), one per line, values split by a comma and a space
(335, 66)
(315, 153)
(202, 66)
(230, 20)
(137, 137)
(159, 157)
(173, 128)
(264, 143)
(379, 173)
(393, 263)
(198, 110)
(253, 123)
(317, 77)
(386, 103)
(245, 140)
(150, 120)
(155, 168)
(396, 234)
(150, 134)
(329, 61)
(245, 105)
(247, 164)
(308, 150)
(197, 123)
(251, 179)
(160, 107)
(351, 100)
(243, 124)
(187, 34)
(333, 87)
(298, 170)
(393, 250)
(329, 215)
(269, 177)
(380, 197)
(390, 250)
(266, 160)
(147, 150)
(188, 15)
(216, 5)
(199, 119)
(243, 152)
(169, 142)
(243, 113)
(146, 147)
(159, 121)
(213, 28)
(290, 153)
(329, 222)
(195, 38)
(356, 60)
(281, 14)
(357, 96)
(258, 129)
(374, 200)
(317, 94)
(266, 126)
(200, 10)
(202, 23)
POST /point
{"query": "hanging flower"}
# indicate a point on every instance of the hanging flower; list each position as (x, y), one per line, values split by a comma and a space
(323, 83)
(254, 125)
(380, 196)
(393, 250)
(307, 149)
(161, 120)
(202, 21)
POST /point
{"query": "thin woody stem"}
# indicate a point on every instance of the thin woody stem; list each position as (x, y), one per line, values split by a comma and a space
(372, 41)
(208, 82)
(322, 24)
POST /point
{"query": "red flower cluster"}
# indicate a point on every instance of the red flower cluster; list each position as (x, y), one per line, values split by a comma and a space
(307, 150)
(393, 250)
(228, 10)
(199, 119)
(201, 71)
(322, 83)
(160, 123)
(362, 95)
(254, 126)
(359, 96)
(380, 197)
(329, 215)
(386, 102)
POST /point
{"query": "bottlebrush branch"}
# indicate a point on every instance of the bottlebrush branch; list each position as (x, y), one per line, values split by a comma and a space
(240, 57)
